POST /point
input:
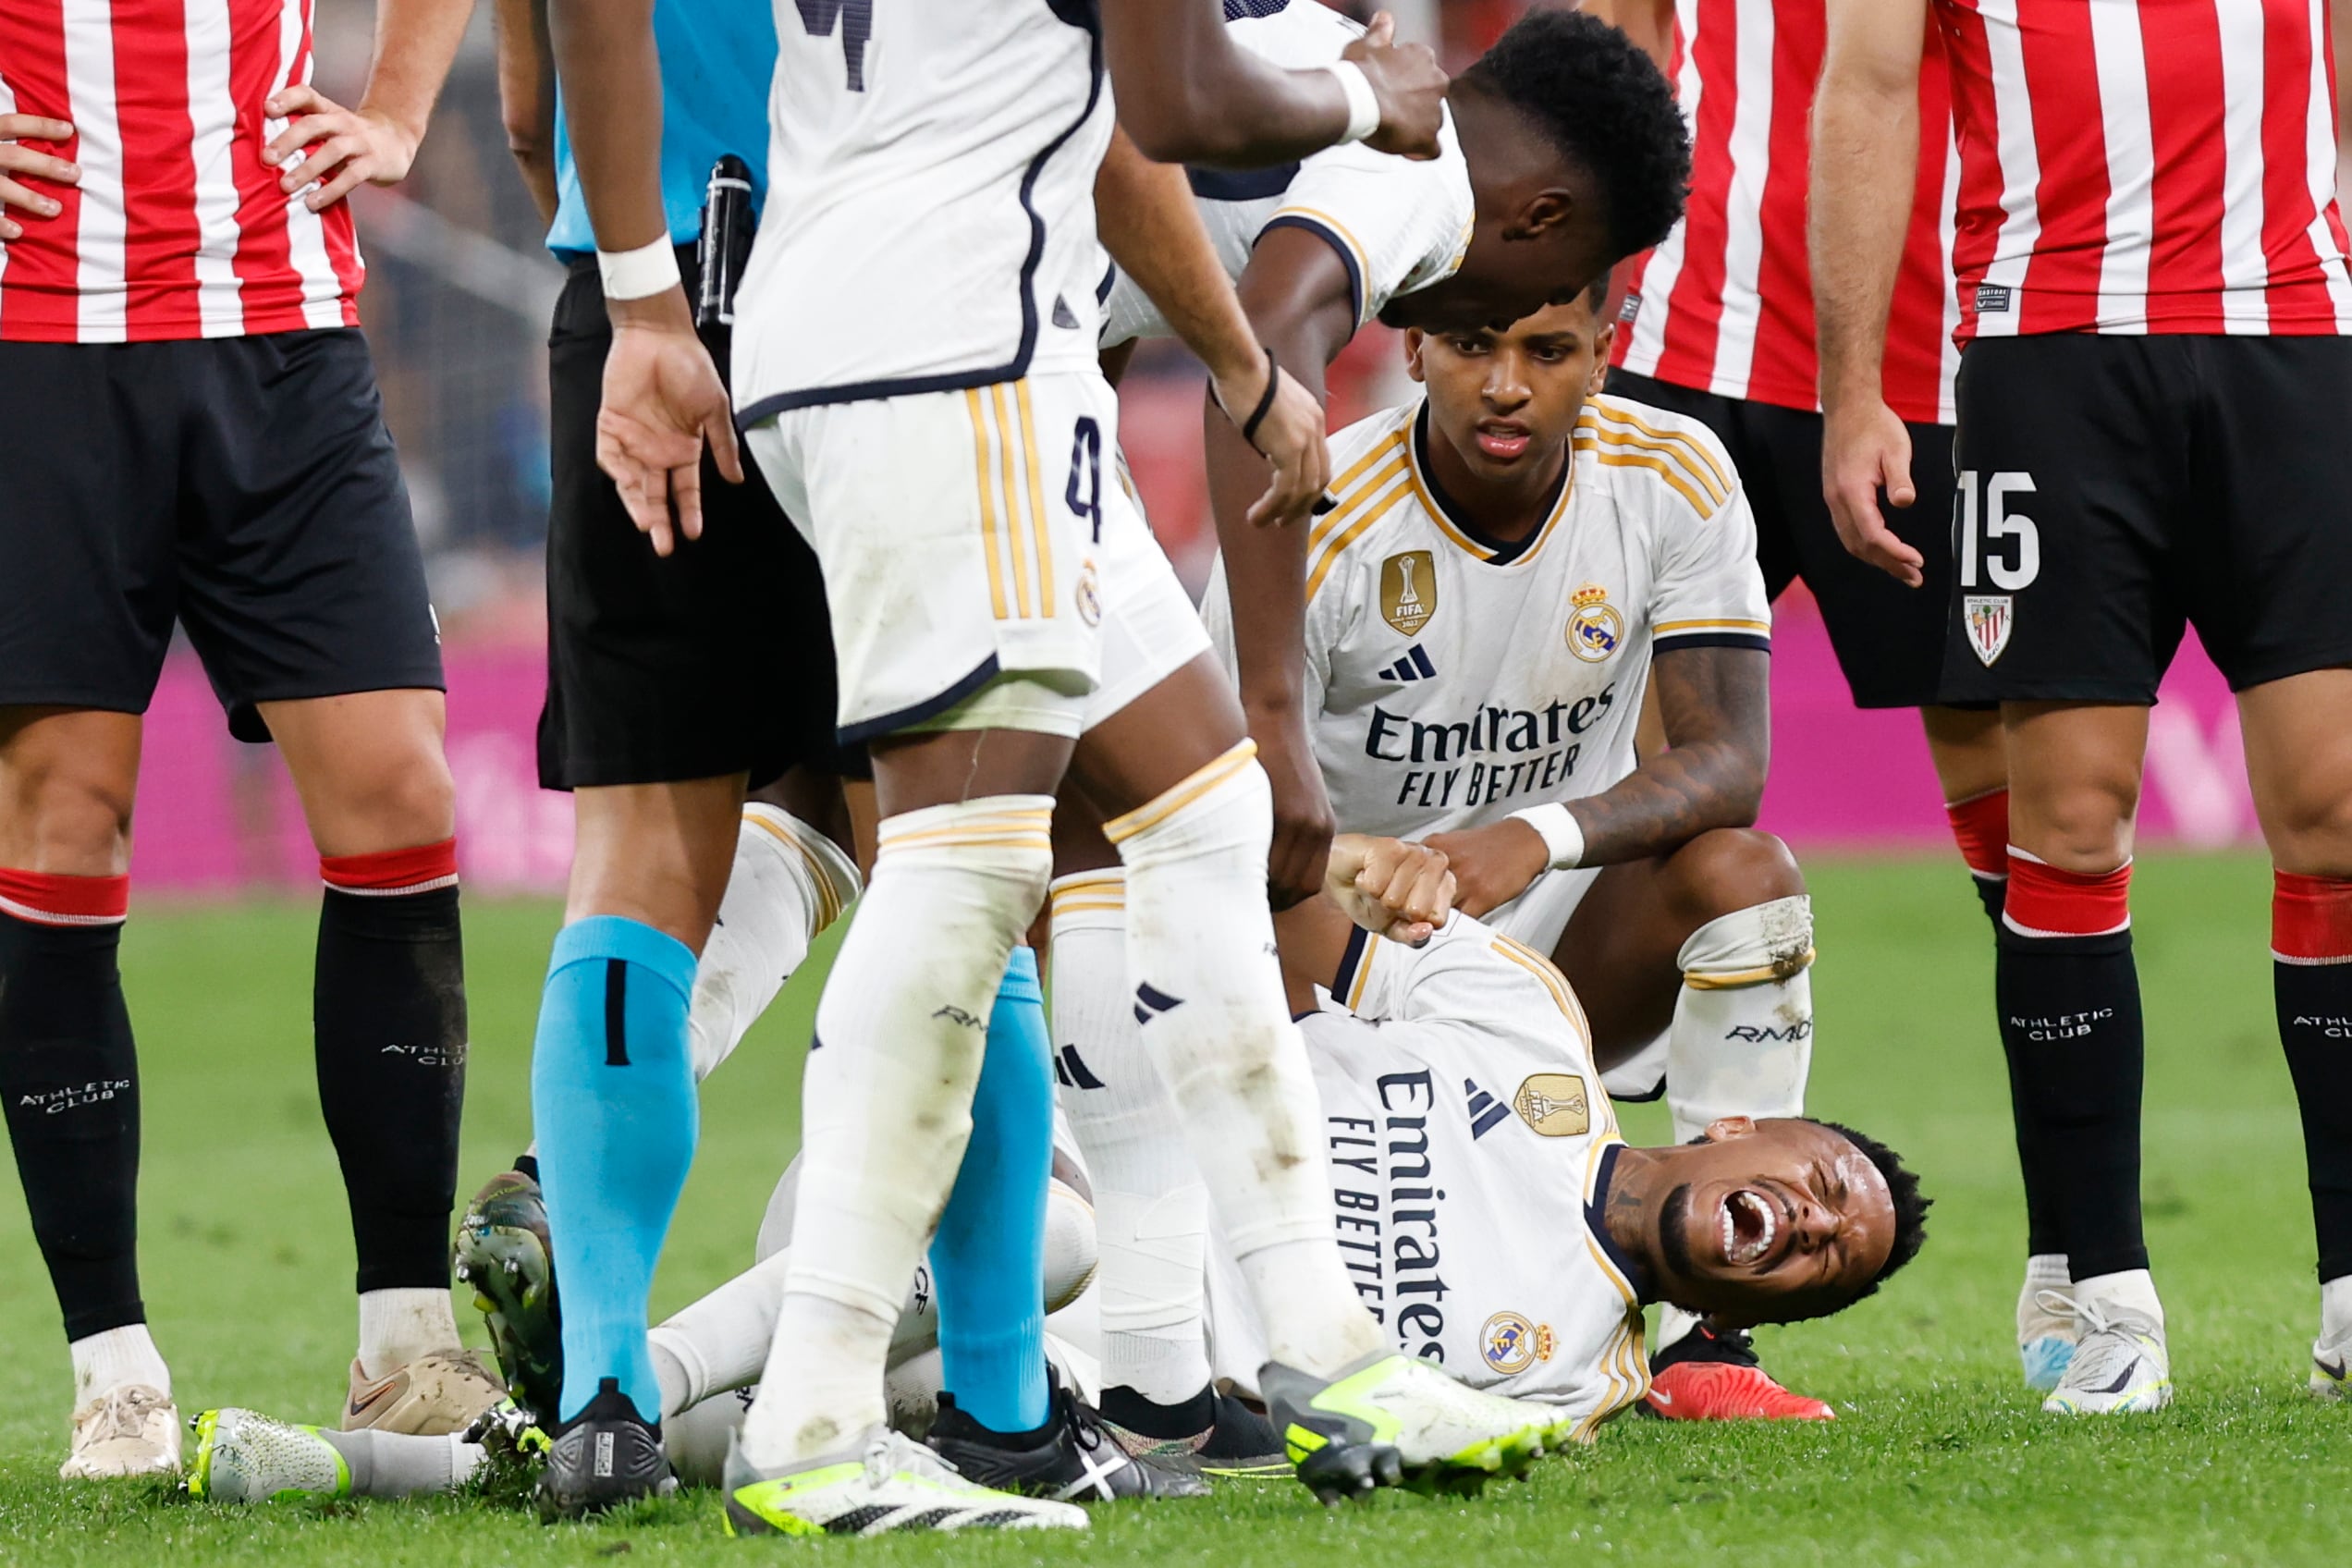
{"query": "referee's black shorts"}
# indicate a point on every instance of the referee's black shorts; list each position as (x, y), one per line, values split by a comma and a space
(716, 660)
(1890, 639)
(245, 487)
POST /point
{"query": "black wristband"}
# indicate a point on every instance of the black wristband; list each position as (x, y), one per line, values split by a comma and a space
(1265, 403)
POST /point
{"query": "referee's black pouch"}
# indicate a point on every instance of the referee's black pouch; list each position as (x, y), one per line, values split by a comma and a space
(726, 242)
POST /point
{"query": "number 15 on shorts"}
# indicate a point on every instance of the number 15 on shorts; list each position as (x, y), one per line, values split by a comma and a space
(1999, 548)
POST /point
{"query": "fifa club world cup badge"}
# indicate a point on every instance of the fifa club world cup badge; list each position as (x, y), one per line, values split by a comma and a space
(1409, 589)
(1554, 1104)
(1594, 627)
(1989, 618)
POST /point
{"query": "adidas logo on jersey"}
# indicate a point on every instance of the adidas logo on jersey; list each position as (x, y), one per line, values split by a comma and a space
(1414, 666)
(1486, 1111)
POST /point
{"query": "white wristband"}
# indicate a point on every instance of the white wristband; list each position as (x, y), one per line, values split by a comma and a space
(633, 274)
(1563, 839)
(1364, 105)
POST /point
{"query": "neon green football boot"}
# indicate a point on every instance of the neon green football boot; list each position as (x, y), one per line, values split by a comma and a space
(1395, 1420)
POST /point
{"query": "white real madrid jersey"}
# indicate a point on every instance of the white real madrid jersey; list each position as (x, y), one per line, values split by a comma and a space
(1453, 679)
(1398, 225)
(1469, 1141)
(930, 218)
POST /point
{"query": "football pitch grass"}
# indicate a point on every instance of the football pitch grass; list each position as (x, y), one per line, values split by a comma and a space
(1939, 1455)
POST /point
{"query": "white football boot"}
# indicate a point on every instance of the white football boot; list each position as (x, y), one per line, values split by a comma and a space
(2046, 1335)
(244, 1456)
(2331, 1351)
(892, 1484)
(129, 1431)
(2120, 1366)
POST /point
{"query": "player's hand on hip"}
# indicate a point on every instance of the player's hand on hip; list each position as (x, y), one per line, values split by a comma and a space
(1492, 865)
(1866, 450)
(1289, 434)
(663, 400)
(1391, 889)
(1409, 83)
(335, 149)
(1302, 823)
(18, 162)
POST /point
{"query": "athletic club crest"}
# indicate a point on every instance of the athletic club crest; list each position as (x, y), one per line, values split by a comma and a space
(1989, 618)
(1409, 591)
(1594, 627)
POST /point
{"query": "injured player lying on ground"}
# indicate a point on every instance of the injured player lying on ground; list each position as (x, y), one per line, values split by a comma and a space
(1495, 1218)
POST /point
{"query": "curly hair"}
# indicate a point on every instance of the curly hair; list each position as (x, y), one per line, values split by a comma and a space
(1604, 104)
(1903, 1185)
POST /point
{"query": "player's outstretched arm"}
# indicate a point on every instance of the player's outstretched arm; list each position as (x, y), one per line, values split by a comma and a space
(527, 97)
(1151, 225)
(1296, 294)
(1716, 708)
(1865, 152)
(339, 148)
(1189, 94)
(663, 397)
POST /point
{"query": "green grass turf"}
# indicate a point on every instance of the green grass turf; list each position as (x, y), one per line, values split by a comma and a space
(1939, 1455)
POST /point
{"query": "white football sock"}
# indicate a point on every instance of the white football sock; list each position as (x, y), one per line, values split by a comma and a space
(1151, 1209)
(1742, 1040)
(720, 1342)
(1208, 993)
(2046, 1272)
(1672, 1324)
(397, 1326)
(2336, 1311)
(401, 1464)
(789, 883)
(111, 1357)
(2134, 1290)
(886, 1105)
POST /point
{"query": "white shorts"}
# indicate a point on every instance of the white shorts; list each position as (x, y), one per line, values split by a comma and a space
(1150, 629)
(1538, 918)
(958, 534)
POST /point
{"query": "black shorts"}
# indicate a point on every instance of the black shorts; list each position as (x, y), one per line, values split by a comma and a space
(717, 660)
(1889, 638)
(2116, 488)
(245, 487)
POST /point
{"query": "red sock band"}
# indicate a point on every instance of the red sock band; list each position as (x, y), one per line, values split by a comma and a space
(2045, 901)
(45, 899)
(2310, 919)
(389, 873)
(1980, 826)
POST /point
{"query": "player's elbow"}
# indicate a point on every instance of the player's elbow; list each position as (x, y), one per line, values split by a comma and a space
(530, 141)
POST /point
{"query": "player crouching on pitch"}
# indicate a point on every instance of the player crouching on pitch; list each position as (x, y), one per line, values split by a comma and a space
(1552, 1233)
(1508, 565)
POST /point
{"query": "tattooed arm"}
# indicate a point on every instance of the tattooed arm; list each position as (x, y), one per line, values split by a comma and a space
(1716, 703)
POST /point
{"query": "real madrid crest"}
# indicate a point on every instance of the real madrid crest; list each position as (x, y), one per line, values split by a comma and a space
(1554, 1104)
(1594, 626)
(1089, 595)
(1409, 589)
(1510, 1342)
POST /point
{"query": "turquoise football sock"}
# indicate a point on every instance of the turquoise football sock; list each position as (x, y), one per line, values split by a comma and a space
(612, 1094)
(989, 1261)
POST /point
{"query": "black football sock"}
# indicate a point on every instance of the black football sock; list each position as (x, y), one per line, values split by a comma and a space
(389, 1015)
(70, 1080)
(2070, 1022)
(2311, 979)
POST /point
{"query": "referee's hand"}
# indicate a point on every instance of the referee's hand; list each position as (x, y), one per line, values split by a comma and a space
(663, 400)
(17, 161)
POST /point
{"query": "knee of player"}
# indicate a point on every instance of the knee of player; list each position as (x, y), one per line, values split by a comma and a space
(2309, 832)
(1727, 869)
(2082, 824)
(410, 801)
(68, 814)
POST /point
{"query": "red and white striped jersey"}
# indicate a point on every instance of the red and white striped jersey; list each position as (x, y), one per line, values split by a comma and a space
(2145, 166)
(177, 229)
(1726, 304)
